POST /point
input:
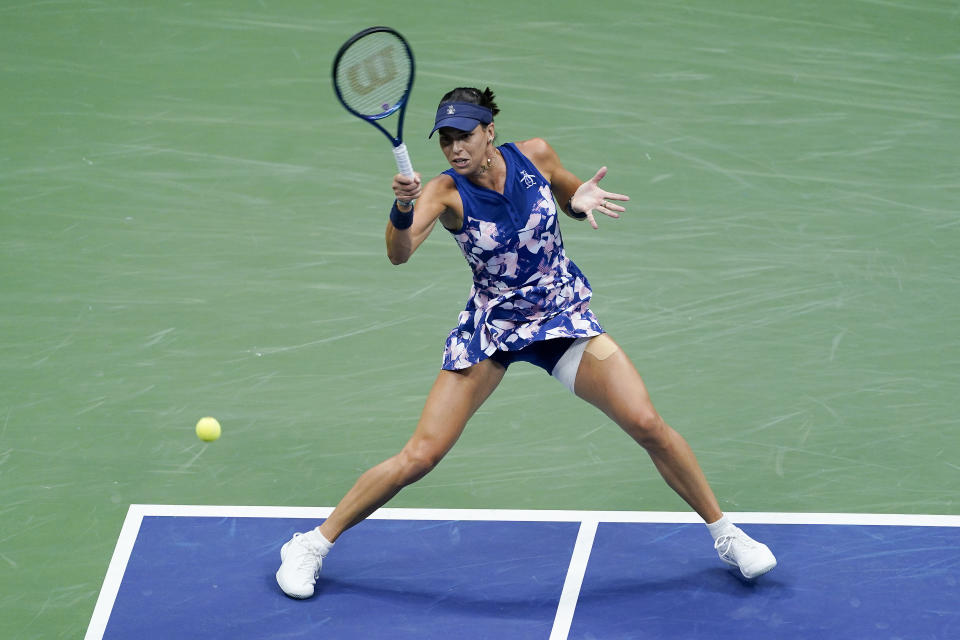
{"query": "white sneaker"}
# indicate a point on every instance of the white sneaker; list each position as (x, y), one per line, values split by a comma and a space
(740, 550)
(300, 567)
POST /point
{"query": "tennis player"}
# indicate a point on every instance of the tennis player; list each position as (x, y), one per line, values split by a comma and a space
(529, 303)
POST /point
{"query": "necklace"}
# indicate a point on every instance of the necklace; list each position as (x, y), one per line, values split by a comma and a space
(486, 167)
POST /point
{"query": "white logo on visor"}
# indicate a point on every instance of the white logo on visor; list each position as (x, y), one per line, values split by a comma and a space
(451, 110)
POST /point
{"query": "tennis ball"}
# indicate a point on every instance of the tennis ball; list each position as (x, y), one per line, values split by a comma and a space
(208, 429)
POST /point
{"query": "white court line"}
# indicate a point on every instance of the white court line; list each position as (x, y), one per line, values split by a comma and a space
(574, 580)
(589, 520)
(547, 515)
(111, 583)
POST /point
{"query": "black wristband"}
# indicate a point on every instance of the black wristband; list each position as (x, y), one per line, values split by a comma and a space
(399, 219)
(576, 215)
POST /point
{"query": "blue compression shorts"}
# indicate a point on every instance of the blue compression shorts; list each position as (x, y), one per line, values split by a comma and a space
(543, 353)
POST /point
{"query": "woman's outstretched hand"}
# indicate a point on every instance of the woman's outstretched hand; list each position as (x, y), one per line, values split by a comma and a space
(589, 197)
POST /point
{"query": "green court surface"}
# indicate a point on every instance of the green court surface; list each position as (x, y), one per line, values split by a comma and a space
(191, 225)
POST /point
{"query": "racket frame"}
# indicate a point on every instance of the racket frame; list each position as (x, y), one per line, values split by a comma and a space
(401, 105)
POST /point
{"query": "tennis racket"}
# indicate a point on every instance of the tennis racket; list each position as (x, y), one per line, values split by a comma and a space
(372, 76)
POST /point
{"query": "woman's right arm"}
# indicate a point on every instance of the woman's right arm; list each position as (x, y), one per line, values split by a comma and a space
(430, 205)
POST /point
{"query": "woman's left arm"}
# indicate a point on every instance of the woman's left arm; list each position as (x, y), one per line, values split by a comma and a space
(578, 199)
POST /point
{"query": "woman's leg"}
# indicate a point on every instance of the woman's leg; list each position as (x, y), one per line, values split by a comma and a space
(611, 383)
(607, 379)
(454, 398)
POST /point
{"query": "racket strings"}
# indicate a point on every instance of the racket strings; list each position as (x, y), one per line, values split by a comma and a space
(372, 75)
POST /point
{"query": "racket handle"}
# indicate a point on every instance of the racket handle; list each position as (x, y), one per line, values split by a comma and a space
(404, 165)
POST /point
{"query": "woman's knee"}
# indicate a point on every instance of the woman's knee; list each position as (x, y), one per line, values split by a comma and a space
(646, 427)
(417, 460)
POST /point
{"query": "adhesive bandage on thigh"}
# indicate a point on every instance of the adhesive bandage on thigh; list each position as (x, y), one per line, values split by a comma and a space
(569, 363)
(602, 347)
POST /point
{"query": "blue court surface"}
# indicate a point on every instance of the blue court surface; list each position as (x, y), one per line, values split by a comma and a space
(208, 572)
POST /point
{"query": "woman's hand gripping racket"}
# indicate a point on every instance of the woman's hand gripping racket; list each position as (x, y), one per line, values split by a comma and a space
(372, 76)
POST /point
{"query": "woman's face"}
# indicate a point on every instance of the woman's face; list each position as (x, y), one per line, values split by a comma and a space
(467, 151)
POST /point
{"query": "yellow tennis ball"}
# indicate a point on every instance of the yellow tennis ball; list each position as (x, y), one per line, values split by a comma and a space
(208, 429)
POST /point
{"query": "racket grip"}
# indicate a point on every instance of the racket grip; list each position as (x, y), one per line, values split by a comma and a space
(404, 165)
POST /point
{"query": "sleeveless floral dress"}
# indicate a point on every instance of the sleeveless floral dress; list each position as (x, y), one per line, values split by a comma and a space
(525, 289)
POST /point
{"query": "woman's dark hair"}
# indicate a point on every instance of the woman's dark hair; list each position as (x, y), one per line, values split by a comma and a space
(473, 96)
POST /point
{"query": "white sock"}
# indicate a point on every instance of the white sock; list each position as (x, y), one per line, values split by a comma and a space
(317, 538)
(722, 527)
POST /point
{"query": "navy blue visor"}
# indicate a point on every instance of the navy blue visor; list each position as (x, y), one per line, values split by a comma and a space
(464, 116)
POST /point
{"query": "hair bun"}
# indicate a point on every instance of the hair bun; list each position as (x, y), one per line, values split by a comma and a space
(487, 100)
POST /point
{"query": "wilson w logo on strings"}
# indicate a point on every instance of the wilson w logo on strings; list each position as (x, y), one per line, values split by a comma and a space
(372, 72)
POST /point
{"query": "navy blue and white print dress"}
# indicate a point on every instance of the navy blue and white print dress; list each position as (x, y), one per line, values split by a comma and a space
(525, 289)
